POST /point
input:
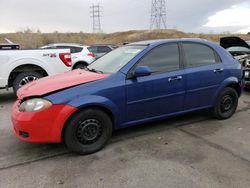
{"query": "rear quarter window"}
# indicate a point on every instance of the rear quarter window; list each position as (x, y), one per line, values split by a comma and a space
(77, 49)
(93, 49)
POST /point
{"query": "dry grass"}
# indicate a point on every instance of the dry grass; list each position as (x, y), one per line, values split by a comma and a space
(27, 39)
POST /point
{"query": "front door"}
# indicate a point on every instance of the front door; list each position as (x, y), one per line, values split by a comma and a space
(160, 93)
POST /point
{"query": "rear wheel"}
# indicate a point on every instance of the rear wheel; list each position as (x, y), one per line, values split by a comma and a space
(226, 104)
(25, 78)
(80, 66)
(88, 131)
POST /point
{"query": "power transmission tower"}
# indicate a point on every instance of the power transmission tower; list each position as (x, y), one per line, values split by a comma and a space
(158, 14)
(96, 16)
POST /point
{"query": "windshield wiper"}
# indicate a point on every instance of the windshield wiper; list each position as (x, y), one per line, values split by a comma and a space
(94, 70)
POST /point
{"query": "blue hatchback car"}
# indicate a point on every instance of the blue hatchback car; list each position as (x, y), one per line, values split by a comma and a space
(137, 83)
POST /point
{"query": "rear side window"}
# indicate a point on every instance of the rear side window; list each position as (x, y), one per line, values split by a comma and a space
(198, 55)
(162, 59)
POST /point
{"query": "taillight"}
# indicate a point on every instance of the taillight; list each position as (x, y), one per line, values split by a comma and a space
(91, 54)
(66, 59)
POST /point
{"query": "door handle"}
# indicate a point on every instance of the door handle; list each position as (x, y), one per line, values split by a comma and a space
(175, 78)
(218, 70)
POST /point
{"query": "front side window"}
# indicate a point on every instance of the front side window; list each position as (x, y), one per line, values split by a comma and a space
(164, 58)
(198, 55)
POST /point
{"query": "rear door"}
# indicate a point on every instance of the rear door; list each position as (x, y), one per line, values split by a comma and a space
(163, 91)
(204, 73)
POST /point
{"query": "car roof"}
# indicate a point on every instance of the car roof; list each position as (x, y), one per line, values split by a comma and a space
(67, 44)
(159, 41)
(104, 45)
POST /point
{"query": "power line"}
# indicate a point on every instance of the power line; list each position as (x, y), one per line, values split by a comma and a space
(96, 16)
(158, 15)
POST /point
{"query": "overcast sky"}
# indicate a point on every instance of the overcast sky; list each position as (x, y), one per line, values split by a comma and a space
(121, 15)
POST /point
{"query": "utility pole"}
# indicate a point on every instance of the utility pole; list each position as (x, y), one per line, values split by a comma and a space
(96, 16)
(158, 14)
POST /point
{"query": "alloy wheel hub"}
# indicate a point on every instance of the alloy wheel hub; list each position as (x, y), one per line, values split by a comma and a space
(26, 80)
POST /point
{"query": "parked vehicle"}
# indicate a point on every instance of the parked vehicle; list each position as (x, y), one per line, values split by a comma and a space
(134, 84)
(9, 45)
(6, 46)
(240, 49)
(101, 49)
(19, 67)
(81, 56)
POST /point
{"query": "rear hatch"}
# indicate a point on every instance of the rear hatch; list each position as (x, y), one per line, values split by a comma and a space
(239, 48)
(227, 42)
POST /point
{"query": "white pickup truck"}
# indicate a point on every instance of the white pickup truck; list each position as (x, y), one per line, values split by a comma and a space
(18, 67)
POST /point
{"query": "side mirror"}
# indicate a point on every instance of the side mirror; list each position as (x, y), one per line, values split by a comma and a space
(142, 71)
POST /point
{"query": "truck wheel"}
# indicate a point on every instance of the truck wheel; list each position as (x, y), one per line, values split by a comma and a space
(226, 104)
(24, 78)
(87, 131)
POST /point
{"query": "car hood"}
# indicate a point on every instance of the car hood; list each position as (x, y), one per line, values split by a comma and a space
(227, 42)
(57, 82)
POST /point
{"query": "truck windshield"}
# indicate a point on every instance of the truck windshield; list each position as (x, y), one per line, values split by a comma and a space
(115, 60)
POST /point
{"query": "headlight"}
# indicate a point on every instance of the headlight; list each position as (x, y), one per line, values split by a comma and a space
(34, 105)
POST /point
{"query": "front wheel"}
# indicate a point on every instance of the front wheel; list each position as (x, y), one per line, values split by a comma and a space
(88, 131)
(226, 104)
(25, 78)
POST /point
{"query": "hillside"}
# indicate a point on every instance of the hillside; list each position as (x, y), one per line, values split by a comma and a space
(35, 40)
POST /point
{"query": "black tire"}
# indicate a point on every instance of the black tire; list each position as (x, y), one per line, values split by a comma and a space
(87, 131)
(24, 78)
(81, 66)
(226, 104)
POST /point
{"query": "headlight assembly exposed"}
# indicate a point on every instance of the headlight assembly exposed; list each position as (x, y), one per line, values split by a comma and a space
(34, 105)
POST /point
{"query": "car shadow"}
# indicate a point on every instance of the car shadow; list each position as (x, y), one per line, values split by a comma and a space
(159, 126)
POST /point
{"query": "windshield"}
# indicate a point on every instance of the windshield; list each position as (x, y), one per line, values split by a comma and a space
(115, 60)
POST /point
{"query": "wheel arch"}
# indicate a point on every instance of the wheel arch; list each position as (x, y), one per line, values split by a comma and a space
(79, 62)
(95, 106)
(25, 68)
(231, 82)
